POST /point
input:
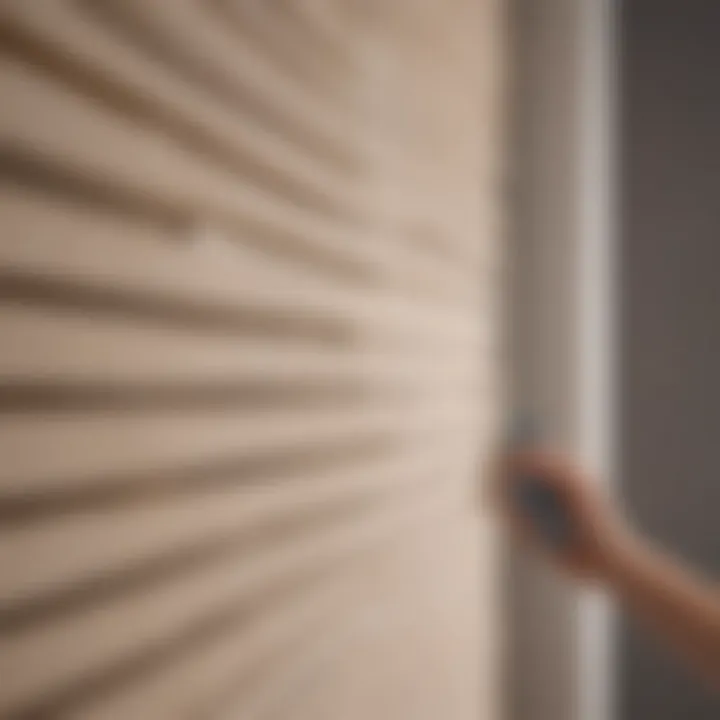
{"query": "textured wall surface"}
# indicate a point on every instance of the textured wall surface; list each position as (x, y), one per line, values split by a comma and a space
(671, 334)
(248, 277)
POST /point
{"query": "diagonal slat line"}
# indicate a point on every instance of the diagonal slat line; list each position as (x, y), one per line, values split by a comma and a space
(67, 550)
(322, 28)
(197, 120)
(148, 109)
(25, 167)
(279, 166)
(145, 105)
(248, 322)
(197, 190)
(20, 167)
(28, 396)
(282, 44)
(131, 669)
(280, 464)
(32, 612)
(334, 317)
(241, 658)
(348, 541)
(314, 125)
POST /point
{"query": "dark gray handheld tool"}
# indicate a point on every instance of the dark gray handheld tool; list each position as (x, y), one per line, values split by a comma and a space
(535, 497)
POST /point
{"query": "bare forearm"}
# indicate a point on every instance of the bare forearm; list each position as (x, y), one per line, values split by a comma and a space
(598, 544)
(680, 606)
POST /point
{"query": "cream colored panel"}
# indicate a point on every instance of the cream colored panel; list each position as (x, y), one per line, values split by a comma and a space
(249, 270)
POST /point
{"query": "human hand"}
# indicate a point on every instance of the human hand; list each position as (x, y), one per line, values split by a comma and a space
(553, 505)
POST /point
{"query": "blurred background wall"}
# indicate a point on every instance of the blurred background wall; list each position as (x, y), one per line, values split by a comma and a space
(249, 282)
(670, 346)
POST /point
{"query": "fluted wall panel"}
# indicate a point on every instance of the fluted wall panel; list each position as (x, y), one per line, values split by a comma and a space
(249, 282)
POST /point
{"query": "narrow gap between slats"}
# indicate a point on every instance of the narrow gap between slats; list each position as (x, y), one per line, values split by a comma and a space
(238, 158)
(273, 465)
(258, 24)
(26, 168)
(133, 663)
(24, 395)
(118, 19)
(28, 289)
(31, 613)
(275, 233)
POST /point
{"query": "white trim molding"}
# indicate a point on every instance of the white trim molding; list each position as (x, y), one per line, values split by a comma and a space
(562, 298)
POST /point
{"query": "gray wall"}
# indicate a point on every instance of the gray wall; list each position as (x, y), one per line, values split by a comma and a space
(670, 225)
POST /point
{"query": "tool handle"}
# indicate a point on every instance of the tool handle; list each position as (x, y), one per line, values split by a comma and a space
(535, 497)
(544, 507)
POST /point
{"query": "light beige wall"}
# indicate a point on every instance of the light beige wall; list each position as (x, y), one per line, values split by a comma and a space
(248, 276)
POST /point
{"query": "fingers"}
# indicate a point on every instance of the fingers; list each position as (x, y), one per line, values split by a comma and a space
(551, 469)
(536, 494)
(552, 505)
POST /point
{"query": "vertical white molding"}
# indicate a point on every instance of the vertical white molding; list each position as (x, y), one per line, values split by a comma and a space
(565, 296)
(596, 301)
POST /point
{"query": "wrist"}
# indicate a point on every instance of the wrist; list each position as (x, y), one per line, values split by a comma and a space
(623, 554)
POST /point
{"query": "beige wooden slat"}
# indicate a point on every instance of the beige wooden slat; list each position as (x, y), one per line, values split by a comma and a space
(63, 655)
(51, 347)
(400, 98)
(377, 656)
(218, 125)
(318, 124)
(321, 19)
(208, 679)
(57, 361)
(453, 94)
(73, 548)
(201, 50)
(191, 21)
(64, 346)
(75, 26)
(263, 26)
(147, 442)
(205, 266)
(94, 143)
(437, 602)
